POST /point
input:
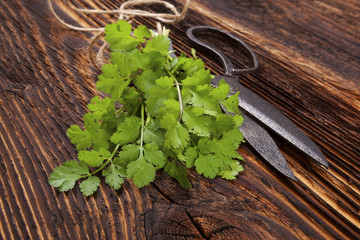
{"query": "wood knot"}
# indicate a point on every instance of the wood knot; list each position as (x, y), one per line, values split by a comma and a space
(175, 221)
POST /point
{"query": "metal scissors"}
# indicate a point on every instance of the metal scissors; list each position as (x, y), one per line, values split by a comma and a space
(258, 114)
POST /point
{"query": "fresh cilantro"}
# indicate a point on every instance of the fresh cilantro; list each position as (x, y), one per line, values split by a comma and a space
(65, 176)
(90, 185)
(160, 112)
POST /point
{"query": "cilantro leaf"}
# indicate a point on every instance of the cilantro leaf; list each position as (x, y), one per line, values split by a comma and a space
(101, 106)
(231, 104)
(154, 156)
(65, 176)
(165, 82)
(90, 185)
(152, 134)
(158, 43)
(155, 101)
(94, 158)
(199, 77)
(141, 33)
(177, 136)
(201, 97)
(233, 170)
(131, 99)
(129, 153)
(127, 62)
(196, 122)
(191, 154)
(208, 165)
(222, 91)
(114, 176)
(223, 123)
(178, 172)
(141, 172)
(127, 131)
(111, 82)
(92, 136)
(118, 35)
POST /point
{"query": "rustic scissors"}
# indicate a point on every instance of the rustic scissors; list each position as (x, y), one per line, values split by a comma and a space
(256, 111)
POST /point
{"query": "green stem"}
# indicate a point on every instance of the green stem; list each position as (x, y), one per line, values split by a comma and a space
(106, 163)
(142, 129)
(179, 94)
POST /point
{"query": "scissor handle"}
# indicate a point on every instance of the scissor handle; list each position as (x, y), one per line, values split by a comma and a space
(226, 62)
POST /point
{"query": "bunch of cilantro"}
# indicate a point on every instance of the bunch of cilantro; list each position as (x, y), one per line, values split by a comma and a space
(160, 112)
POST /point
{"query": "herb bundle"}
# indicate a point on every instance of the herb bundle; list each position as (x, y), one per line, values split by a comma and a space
(160, 113)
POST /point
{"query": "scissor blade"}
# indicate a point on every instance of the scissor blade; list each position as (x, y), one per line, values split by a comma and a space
(264, 144)
(272, 118)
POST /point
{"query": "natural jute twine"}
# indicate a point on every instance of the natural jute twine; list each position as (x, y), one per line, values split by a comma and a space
(125, 14)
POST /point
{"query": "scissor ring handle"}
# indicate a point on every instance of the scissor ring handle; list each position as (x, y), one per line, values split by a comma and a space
(226, 62)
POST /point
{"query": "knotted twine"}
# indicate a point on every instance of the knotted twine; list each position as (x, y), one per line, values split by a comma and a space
(124, 14)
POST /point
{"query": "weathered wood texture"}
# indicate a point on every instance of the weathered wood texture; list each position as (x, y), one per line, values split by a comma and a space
(309, 53)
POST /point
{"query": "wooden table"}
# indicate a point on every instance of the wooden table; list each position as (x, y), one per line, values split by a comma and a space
(309, 52)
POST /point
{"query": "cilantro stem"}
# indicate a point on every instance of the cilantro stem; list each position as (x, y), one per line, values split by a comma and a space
(142, 129)
(106, 163)
(180, 100)
(179, 94)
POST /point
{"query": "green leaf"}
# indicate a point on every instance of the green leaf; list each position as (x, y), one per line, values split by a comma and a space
(154, 156)
(229, 143)
(233, 170)
(199, 77)
(90, 185)
(193, 52)
(223, 123)
(168, 122)
(101, 106)
(92, 136)
(222, 91)
(177, 136)
(165, 82)
(234, 136)
(157, 96)
(191, 154)
(141, 33)
(232, 104)
(238, 119)
(201, 97)
(129, 153)
(171, 106)
(178, 172)
(118, 35)
(208, 165)
(131, 99)
(196, 122)
(189, 66)
(152, 134)
(114, 176)
(141, 172)
(146, 80)
(127, 62)
(65, 176)
(158, 43)
(206, 145)
(111, 82)
(94, 158)
(127, 131)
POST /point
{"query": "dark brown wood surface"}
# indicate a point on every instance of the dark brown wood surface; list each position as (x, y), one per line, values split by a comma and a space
(309, 52)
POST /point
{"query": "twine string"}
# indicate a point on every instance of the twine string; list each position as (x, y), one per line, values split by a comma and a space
(125, 13)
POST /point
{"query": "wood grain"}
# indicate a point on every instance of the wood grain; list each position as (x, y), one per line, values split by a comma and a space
(309, 57)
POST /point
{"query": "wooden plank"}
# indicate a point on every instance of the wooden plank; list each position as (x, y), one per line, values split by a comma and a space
(309, 57)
